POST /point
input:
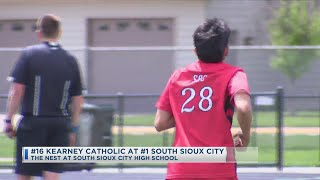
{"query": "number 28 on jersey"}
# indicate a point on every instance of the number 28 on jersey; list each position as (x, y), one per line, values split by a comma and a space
(201, 98)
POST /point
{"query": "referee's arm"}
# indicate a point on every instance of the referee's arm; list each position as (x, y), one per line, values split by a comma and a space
(16, 94)
(76, 103)
(76, 108)
(18, 80)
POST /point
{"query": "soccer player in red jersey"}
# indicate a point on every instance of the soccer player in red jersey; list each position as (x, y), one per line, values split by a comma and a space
(199, 100)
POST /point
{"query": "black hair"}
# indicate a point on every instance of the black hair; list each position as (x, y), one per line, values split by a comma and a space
(211, 39)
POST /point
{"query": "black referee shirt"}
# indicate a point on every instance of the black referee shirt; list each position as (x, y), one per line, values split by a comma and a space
(51, 77)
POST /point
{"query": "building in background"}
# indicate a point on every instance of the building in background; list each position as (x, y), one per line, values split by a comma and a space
(91, 25)
(98, 23)
(249, 22)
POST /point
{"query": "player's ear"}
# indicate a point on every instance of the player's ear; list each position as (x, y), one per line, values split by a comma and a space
(60, 33)
(39, 34)
(195, 50)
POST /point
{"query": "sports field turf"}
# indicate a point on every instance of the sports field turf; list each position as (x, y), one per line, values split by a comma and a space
(159, 174)
(263, 119)
(299, 150)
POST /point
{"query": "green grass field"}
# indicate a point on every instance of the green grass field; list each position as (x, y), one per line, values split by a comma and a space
(262, 119)
(298, 150)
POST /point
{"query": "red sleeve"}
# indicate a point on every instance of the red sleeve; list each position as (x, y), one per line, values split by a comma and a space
(163, 102)
(238, 82)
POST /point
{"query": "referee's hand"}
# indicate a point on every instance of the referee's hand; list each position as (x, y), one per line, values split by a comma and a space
(8, 130)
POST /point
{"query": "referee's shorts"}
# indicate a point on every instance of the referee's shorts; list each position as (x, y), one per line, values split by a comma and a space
(41, 131)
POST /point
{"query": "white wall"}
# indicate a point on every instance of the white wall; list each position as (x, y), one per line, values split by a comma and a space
(249, 17)
(188, 15)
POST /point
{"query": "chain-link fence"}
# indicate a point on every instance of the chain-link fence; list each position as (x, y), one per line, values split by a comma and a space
(134, 116)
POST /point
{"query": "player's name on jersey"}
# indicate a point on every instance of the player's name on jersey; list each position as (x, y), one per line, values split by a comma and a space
(199, 78)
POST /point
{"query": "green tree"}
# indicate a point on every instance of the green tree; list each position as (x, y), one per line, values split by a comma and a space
(296, 22)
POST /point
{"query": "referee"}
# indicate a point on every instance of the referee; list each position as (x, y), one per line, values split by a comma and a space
(46, 83)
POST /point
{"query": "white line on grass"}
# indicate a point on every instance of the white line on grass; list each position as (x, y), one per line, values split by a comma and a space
(288, 170)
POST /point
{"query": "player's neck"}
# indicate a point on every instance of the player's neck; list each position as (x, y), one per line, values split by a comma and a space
(50, 40)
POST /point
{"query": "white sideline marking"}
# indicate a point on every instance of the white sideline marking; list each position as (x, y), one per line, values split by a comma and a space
(6, 171)
(131, 170)
(288, 170)
(7, 159)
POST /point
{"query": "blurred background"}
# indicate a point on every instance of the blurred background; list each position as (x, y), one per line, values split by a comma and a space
(127, 50)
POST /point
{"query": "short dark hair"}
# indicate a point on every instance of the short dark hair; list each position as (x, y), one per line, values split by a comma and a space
(210, 40)
(49, 25)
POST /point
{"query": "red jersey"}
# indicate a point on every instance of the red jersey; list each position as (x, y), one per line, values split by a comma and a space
(198, 97)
